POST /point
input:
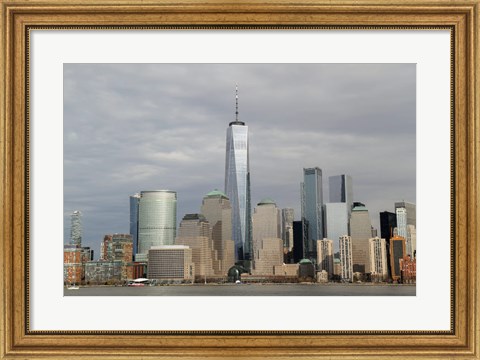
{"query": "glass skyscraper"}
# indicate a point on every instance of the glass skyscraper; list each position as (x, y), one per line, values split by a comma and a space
(157, 218)
(237, 186)
(341, 190)
(312, 209)
(134, 200)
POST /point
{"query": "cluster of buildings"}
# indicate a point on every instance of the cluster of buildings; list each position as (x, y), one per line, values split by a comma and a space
(225, 240)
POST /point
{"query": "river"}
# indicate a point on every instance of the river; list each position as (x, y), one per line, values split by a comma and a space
(249, 290)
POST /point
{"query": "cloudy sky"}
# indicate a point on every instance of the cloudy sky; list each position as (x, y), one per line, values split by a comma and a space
(133, 127)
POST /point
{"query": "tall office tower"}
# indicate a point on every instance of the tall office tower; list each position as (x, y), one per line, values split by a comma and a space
(312, 209)
(266, 235)
(406, 215)
(76, 228)
(411, 211)
(134, 201)
(388, 223)
(287, 228)
(397, 252)
(361, 232)
(402, 229)
(237, 186)
(336, 221)
(325, 256)
(412, 236)
(378, 259)
(298, 243)
(345, 245)
(157, 217)
(217, 210)
(195, 231)
(341, 190)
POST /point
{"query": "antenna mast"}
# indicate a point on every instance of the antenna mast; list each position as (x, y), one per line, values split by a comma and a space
(236, 102)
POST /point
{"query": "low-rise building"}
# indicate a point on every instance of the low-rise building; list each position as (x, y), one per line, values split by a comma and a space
(171, 263)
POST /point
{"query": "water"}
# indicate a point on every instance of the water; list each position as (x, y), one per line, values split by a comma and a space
(249, 290)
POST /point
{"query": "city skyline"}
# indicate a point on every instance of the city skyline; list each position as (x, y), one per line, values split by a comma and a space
(183, 120)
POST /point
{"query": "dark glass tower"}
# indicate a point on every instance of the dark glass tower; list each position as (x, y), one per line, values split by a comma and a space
(388, 222)
(134, 200)
(237, 186)
(312, 210)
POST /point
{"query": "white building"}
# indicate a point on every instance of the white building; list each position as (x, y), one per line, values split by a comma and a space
(345, 245)
(378, 259)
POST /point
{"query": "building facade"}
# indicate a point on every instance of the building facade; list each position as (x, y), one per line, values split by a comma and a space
(73, 271)
(171, 263)
(341, 190)
(266, 234)
(325, 256)
(76, 228)
(312, 209)
(378, 259)
(157, 218)
(117, 247)
(195, 232)
(134, 201)
(406, 218)
(360, 232)
(397, 252)
(336, 221)
(345, 245)
(408, 267)
(237, 186)
(217, 210)
(288, 216)
(298, 243)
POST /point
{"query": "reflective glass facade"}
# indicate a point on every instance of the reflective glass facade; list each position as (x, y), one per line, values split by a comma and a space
(341, 190)
(312, 208)
(237, 187)
(157, 217)
(134, 200)
(336, 221)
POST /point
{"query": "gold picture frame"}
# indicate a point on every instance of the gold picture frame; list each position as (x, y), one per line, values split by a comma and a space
(462, 341)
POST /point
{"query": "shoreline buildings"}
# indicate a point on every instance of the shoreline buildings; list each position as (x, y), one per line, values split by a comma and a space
(237, 187)
(225, 235)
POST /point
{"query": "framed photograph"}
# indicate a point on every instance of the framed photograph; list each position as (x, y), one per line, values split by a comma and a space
(105, 99)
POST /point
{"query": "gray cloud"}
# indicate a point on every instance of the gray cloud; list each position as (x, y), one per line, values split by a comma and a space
(132, 127)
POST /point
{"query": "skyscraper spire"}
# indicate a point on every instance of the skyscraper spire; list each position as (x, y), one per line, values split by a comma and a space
(236, 122)
(236, 102)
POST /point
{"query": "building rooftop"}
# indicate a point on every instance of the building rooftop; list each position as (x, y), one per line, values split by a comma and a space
(305, 261)
(198, 217)
(359, 208)
(216, 193)
(266, 201)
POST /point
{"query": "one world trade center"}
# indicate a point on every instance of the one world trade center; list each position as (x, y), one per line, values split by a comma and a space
(237, 187)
